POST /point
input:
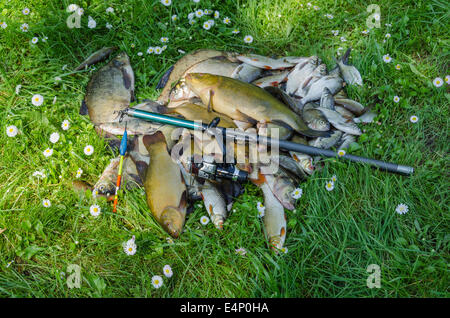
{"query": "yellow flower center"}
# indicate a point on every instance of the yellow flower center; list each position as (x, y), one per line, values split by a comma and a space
(156, 282)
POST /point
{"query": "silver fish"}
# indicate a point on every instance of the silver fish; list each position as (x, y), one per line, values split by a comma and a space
(273, 80)
(264, 62)
(274, 219)
(327, 142)
(350, 73)
(246, 73)
(300, 73)
(327, 100)
(340, 122)
(333, 83)
(367, 117)
(214, 204)
(346, 140)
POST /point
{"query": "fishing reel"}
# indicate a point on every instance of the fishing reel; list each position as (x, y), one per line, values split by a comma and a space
(209, 169)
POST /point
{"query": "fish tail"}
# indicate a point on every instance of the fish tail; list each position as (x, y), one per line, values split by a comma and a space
(155, 138)
(346, 55)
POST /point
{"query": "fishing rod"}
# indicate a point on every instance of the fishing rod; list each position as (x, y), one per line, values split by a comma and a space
(251, 137)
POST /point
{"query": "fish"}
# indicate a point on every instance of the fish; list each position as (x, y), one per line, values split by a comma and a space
(367, 117)
(274, 219)
(327, 142)
(291, 166)
(340, 122)
(304, 161)
(346, 140)
(214, 204)
(300, 73)
(350, 73)
(333, 83)
(314, 118)
(246, 73)
(352, 105)
(294, 59)
(82, 186)
(344, 112)
(111, 89)
(319, 72)
(245, 102)
(96, 57)
(327, 100)
(176, 72)
(264, 62)
(164, 186)
(272, 80)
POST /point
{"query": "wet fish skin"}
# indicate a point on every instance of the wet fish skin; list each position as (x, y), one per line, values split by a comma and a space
(304, 161)
(350, 104)
(96, 57)
(333, 83)
(274, 219)
(350, 73)
(214, 204)
(327, 142)
(299, 74)
(264, 62)
(340, 122)
(367, 117)
(314, 118)
(327, 99)
(246, 73)
(346, 140)
(273, 80)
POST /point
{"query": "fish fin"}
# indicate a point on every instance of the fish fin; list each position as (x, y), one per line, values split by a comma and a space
(126, 79)
(83, 108)
(210, 105)
(306, 82)
(183, 201)
(261, 179)
(155, 138)
(282, 124)
(165, 78)
(346, 55)
(141, 167)
(247, 118)
(315, 133)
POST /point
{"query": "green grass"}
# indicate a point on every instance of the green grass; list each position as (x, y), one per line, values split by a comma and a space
(332, 236)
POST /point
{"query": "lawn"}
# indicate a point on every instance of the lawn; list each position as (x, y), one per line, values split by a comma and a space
(332, 236)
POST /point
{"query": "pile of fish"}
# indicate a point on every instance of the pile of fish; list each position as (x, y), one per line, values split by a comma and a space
(296, 95)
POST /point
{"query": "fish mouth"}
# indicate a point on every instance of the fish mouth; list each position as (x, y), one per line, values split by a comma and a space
(172, 222)
(275, 243)
(106, 188)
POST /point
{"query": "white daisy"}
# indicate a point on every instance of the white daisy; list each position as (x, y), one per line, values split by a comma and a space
(334, 178)
(204, 220)
(65, 125)
(227, 20)
(129, 246)
(11, 131)
(191, 15)
(388, 25)
(387, 58)
(241, 251)
(158, 50)
(164, 39)
(140, 54)
(329, 16)
(72, 7)
(216, 14)
(235, 31)
(206, 25)
(79, 173)
(341, 152)
(95, 210)
(26, 11)
(37, 100)
(414, 119)
(109, 10)
(199, 13)
(284, 249)
(46, 203)
(376, 16)
(398, 66)
(387, 36)
(24, 27)
(48, 152)
(91, 23)
(164, 47)
(447, 79)
(54, 137)
(365, 31)
(80, 11)
(3, 25)
(88, 150)
(174, 18)
(18, 87)
(192, 21)
(157, 281)
(39, 174)
(297, 193)
(132, 45)
(335, 32)
(343, 39)
(167, 271)
(166, 2)
(396, 99)
(208, 11)
(438, 82)
(150, 50)
(108, 26)
(248, 39)
(196, 1)
(329, 186)
(211, 22)
(401, 208)
(316, 8)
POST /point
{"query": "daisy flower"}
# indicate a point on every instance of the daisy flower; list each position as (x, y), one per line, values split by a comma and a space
(48, 152)
(46, 203)
(207, 11)
(329, 186)
(196, 1)
(261, 209)
(174, 18)
(388, 25)
(206, 25)
(387, 58)
(211, 22)
(191, 15)
(150, 50)
(376, 16)
(401, 208)
(199, 13)
(341, 152)
(227, 20)
(335, 32)
(3, 25)
(95, 210)
(158, 50)
(54, 138)
(248, 39)
(65, 125)
(316, 8)
(91, 24)
(39, 174)
(164, 39)
(11, 131)
(166, 2)
(164, 47)
(447, 79)
(169, 240)
(438, 82)
(139, 54)
(79, 173)
(387, 36)
(204, 220)
(329, 16)
(284, 249)
(88, 150)
(181, 51)
(261, 213)
(192, 21)
(334, 178)
(297, 193)
(343, 39)
(167, 271)
(26, 11)
(396, 99)
(129, 246)
(157, 281)
(216, 14)
(365, 31)
(72, 7)
(37, 100)
(235, 31)
(80, 11)
(398, 66)
(241, 251)
(109, 10)
(24, 27)
(108, 25)
(414, 119)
